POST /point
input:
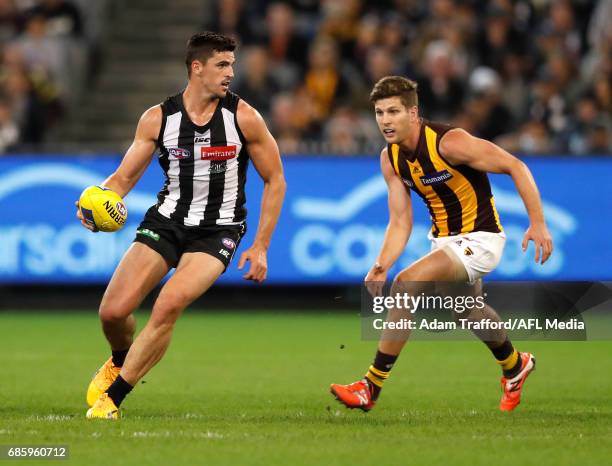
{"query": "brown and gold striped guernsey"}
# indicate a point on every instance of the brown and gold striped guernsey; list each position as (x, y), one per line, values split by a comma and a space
(458, 197)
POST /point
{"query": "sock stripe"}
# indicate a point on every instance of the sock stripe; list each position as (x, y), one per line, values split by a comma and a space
(378, 373)
(510, 361)
(374, 380)
(377, 377)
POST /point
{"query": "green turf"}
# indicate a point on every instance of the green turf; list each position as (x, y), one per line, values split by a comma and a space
(251, 388)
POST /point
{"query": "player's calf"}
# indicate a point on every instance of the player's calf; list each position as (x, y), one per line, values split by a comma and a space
(118, 323)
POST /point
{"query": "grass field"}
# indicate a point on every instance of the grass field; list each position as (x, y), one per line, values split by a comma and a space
(252, 388)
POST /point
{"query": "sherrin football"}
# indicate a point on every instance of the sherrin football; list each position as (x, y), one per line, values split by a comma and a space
(102, 208)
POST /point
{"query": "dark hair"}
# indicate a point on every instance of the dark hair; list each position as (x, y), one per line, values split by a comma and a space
(396, 86)
(203, 45)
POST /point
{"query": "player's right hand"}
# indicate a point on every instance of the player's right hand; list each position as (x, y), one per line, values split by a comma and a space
(539, 234)
(81, 219)
(375, 279)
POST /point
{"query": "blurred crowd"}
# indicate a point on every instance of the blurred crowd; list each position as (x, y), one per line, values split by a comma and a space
(533, 76)
(43, 67)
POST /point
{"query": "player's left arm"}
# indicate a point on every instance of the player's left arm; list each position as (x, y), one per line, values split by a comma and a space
(461, 148)
(265, 155)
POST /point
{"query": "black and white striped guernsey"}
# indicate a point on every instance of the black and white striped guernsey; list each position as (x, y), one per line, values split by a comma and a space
(205, 166)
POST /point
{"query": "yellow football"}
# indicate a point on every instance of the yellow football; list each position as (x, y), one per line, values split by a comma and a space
(102, 208)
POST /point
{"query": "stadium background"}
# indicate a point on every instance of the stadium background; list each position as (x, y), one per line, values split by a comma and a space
(534, 76)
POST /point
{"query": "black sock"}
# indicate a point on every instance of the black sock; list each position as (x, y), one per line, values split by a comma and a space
(119, 357)
(379, 372)
(508, 358)
(119, 390)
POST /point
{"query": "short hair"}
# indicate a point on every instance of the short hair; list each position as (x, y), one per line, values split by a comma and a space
(396, 86)
(203, 45)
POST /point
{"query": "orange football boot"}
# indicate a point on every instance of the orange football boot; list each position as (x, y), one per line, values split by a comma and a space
(513, 387)
(355, 395)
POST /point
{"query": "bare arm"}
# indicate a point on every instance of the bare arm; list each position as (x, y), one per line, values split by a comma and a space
(136, 159)
(459, 147)
(265, 155)
(400, 216)
(399, 226)
(138, 156)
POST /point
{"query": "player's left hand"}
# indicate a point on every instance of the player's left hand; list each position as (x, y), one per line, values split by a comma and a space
(539, 234)
(81, 219)
(258, 258)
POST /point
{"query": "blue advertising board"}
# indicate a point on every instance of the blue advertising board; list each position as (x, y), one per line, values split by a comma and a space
(330, 230)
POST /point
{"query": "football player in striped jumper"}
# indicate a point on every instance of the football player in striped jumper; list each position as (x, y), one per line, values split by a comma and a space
(447, 168)
(205, 137)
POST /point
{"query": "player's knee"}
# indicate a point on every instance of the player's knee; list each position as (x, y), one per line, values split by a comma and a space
(404, 282)
(405, 276)
(168, 307)
(114, 310)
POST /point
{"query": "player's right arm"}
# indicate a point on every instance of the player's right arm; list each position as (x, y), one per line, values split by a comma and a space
(400, 222)
(137, 157)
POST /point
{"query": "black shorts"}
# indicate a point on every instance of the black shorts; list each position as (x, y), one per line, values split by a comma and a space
(172, 239)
